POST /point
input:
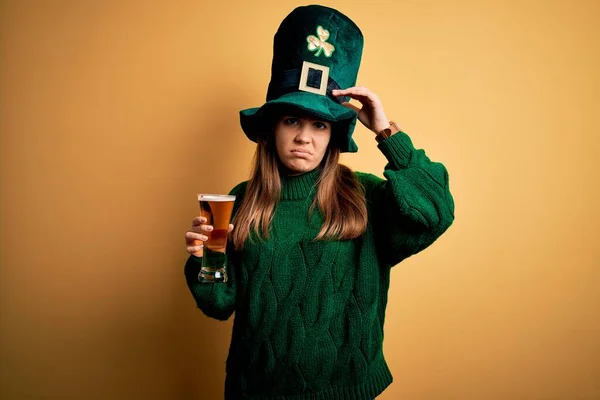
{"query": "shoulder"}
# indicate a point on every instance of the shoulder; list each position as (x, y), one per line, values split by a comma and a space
(239, 189)
(368, 180)
(239, 192)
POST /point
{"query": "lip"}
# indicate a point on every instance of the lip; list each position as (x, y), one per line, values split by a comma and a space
(301, 151)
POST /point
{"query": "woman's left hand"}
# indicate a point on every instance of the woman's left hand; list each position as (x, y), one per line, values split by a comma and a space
(371, 114)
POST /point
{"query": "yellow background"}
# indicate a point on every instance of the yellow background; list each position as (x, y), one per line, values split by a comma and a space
(115, 113)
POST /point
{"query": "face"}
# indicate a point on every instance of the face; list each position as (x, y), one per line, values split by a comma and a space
(301, 142)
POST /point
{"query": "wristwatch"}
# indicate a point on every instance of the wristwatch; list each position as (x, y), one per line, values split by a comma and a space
(387, 132)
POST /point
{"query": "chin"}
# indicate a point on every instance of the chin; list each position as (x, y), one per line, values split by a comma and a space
(298, 169)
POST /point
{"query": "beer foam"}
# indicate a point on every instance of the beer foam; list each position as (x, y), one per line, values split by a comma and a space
(216, 197)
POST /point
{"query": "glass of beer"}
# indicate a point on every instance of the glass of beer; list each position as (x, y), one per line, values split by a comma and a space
(216, 208)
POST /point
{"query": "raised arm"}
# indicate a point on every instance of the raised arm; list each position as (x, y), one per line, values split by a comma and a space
(413, 205)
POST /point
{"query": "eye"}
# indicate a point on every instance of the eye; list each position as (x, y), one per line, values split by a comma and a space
(291, 121)
(320, 125)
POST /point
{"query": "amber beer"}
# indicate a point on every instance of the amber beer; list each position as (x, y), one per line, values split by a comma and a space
(216, 208)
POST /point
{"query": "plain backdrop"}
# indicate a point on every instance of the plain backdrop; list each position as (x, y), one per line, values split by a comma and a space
(114, 114)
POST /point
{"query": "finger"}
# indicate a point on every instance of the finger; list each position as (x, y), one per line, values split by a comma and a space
(351, 106)
(349, 89)
(358, 93)
(358, 97)
(352, 90)
(190, 236)
(230, 228)
(199, 220)
(202, 228)
(345, 92)
(194, 249)
(360, 89)
(362, 93)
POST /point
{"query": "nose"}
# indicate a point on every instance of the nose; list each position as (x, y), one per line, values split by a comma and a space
(303, 135)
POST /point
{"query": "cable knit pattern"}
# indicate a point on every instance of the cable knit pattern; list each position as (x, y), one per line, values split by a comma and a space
(309, 315)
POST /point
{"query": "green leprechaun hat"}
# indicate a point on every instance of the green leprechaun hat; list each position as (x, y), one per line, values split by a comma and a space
(316, 49)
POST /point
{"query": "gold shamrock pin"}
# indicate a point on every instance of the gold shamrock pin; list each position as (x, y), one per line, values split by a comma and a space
(320, 43)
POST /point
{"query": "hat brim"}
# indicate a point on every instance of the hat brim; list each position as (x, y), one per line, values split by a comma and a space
(256, 122)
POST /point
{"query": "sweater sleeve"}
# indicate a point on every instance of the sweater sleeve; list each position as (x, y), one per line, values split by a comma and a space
(413, 206)
(216, 300)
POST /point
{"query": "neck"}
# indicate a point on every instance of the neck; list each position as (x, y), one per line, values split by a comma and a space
(298, 186)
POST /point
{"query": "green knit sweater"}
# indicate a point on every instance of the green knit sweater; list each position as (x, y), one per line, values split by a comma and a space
(309, 315)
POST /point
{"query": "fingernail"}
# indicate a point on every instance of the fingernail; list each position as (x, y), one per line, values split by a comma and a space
(209, 228)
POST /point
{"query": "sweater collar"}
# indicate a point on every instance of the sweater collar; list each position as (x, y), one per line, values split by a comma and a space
(299, 187)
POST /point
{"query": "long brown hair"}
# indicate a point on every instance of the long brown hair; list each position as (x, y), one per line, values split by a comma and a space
(340, 197)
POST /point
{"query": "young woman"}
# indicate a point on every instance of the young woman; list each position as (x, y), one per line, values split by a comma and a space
(314, 242)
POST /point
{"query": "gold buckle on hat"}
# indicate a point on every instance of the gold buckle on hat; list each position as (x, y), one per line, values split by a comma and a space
(306, 67)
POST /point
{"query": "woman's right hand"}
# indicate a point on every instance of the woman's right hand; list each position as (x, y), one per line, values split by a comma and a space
(197, 235)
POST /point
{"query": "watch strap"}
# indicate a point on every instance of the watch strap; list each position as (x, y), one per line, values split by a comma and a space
(387, 132)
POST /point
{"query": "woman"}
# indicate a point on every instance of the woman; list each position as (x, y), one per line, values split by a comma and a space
(314, 242)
